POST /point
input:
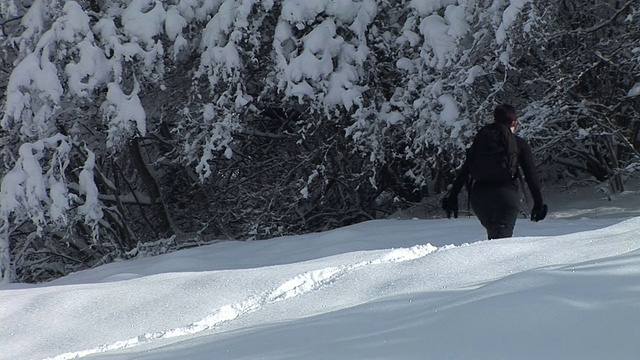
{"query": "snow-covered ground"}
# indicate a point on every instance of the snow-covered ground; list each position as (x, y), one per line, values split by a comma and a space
(564, 288)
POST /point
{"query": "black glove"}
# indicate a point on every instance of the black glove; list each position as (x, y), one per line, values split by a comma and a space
(450, 205)
(539, 212)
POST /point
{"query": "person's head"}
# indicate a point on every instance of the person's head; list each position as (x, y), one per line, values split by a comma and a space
(505, 114)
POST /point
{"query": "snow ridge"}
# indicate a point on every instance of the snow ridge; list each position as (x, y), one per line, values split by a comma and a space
(298, 285)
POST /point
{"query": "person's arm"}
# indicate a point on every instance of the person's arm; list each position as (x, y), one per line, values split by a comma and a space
(528, 168)
(462, 178)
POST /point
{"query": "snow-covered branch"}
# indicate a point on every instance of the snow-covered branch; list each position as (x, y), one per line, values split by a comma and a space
(255, 118)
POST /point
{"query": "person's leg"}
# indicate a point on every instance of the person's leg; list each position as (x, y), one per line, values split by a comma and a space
(483, 208)
(503, 223)
(497, 210)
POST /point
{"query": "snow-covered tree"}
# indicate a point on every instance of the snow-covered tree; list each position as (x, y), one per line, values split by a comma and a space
(578, 75)
(129, 121)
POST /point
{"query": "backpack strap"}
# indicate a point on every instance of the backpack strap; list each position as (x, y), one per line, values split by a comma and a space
(469, 190)
(512, 148)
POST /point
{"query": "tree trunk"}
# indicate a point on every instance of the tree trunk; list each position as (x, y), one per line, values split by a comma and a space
(147, 175)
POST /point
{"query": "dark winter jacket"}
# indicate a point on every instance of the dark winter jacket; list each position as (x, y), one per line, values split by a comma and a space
(525, 162)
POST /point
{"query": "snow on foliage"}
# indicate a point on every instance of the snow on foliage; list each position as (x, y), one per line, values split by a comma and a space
(34, 189)
(322, 65)
(133, 85)
(91, 207)
(125, 115)
(30, 187)
(509, 16)
(34, 91)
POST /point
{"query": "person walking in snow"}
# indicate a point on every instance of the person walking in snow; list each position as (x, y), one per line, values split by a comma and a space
(492, 165)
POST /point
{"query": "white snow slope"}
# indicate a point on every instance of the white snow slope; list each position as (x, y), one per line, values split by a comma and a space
(564, 288)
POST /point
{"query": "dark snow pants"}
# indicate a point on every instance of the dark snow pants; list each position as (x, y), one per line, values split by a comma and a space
(497, 209)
